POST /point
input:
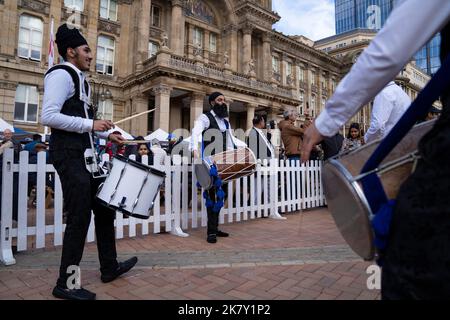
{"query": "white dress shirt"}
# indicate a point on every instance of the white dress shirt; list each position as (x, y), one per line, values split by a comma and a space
(266, 141)
(58, 88)
(388, 107)
(202, 123)
(410, 25)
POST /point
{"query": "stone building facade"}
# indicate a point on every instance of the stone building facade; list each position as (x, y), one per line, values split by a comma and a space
(167, 55)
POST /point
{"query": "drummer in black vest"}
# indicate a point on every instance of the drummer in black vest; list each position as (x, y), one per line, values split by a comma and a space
(215, 131)
(417, 259)
(67, 111)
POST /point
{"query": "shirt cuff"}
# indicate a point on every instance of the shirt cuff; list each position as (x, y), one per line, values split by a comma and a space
(325, 124)
(88, 124)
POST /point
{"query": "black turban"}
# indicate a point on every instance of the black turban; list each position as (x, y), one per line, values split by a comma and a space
(213, 96)
(68, 37)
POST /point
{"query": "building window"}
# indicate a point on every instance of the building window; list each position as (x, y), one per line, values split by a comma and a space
(275, 64)
(156, 16)
(301, 74)
(75, 4)
(105, 110)
(108, 9)
(313, 106)
(198, 37)
(26, 103)
(313, 77)
(105, 55)
(213, 42)
(30, 37)
(300, 107)
(322, 106)
(153, 49)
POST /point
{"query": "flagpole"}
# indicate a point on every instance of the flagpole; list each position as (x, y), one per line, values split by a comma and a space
(51, 59)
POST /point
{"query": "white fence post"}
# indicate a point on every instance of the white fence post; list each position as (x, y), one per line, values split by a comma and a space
(176, 203)
(274, 204)
(6, 255)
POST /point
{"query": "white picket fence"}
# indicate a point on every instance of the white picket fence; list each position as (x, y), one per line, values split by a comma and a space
(278, 186)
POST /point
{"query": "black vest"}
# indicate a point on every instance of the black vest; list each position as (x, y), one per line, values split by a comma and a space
(209, 139)
(74, 107)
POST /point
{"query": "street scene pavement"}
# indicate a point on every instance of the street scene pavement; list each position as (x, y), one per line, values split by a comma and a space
(301, 258)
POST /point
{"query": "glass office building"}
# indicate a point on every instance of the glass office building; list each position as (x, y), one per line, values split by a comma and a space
(372, 14)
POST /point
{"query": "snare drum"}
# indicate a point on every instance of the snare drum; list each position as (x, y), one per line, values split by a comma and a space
(344, 193)
(231, 164)
(131, 187)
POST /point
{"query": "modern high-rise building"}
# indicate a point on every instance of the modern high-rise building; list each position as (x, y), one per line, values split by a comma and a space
(372, 14)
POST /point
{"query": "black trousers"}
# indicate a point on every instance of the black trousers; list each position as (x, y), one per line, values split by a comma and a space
(79, 189)
(213, 218)
(417, 263)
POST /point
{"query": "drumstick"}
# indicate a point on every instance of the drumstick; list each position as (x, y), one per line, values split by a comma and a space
(134, 116)
(134, 141)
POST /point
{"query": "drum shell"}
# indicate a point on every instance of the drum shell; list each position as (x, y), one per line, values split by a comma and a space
(230, 164)
(345, 197)
(139, 203)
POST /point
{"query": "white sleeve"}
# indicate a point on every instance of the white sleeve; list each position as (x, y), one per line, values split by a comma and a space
(58, 87)
(411, 25)
(382, 108)
(199, 125)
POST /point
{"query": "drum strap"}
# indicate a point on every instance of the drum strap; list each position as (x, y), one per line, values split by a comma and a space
(379, 204)
(220, 194)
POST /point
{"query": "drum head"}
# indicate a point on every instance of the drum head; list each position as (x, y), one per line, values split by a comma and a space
(349, 208)
(202, 174)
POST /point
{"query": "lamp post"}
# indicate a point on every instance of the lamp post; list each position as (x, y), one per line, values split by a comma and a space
(100, 93)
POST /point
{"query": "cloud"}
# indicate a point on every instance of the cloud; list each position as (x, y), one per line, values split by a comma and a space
(311, 18)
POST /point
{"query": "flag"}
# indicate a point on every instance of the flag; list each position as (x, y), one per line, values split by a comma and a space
(51, 50)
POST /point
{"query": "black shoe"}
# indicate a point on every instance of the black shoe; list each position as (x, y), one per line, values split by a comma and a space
(222, 234)
(123, 267)
(73, 294)
(211, 238)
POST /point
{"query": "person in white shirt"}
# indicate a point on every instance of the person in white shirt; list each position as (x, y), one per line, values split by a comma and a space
(213, 131)
(388, 107)
(417, 258)
(67, 111)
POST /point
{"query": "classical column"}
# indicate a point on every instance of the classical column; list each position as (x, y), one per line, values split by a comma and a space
(267, 57)
(283, 69)
(197, 99)
(177, 28)
(143, 29)
(250, 114)
(162, 105)
(139, 124)
(247, 46)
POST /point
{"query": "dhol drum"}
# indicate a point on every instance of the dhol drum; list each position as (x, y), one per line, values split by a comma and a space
(344, 193)
(231, 164)
(131, 187)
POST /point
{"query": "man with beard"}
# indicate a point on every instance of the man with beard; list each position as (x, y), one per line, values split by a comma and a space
(215, 130)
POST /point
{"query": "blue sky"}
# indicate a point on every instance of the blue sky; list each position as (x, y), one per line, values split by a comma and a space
(311, 18)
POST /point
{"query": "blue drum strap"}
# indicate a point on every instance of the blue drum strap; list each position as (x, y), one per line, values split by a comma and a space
(372, 186)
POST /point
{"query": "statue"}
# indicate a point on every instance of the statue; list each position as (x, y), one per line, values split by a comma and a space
(251, 66)
(226, 58)
(165, 40)
(198, 50)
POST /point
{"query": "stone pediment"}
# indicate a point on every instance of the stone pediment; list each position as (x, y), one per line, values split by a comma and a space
(251, 11)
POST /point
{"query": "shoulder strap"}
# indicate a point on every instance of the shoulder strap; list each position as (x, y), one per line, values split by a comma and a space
(73, 74)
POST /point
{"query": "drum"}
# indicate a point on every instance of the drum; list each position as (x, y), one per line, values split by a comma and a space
(131, 187)
(231, 164)
(344, 193)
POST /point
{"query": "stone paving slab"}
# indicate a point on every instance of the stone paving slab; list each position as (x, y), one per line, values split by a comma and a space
(303, 257)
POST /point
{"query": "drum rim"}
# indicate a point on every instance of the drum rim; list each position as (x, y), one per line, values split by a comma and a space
(208, 168)
(140, 165)
(335, 164)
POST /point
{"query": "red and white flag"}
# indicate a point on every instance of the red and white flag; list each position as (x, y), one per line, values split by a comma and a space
(51, 49)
